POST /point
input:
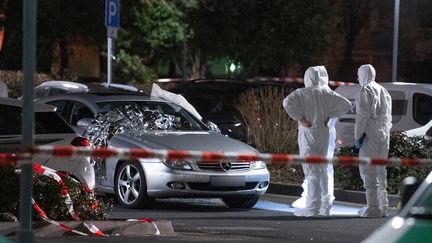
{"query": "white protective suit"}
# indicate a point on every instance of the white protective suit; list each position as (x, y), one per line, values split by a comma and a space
(301, 202)
(373, 119)
(316, 104)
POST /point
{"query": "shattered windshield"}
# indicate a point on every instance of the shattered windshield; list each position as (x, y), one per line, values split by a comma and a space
(137, 118)
(154, 115)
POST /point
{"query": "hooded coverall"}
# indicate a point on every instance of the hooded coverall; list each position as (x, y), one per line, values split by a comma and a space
(317, 105)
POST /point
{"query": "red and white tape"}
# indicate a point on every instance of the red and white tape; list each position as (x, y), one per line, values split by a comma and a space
(295, 80)
(40, 169)
(130, 154)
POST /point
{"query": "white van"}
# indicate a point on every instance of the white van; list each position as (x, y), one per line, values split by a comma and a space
(411, 110)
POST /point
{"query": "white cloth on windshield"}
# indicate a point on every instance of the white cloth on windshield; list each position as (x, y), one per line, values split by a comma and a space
(373, 119)
(316, 104)
(175, 98)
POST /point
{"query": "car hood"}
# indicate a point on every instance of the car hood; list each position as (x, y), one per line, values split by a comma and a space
(198, 141)
(402, 230)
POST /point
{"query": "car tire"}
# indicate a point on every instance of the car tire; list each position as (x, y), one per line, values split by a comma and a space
(241, 202)
(130, 186)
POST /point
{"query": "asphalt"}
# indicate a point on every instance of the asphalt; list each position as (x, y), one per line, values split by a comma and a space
(162, 227)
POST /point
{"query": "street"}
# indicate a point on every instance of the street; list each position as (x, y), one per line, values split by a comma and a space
(270, 220)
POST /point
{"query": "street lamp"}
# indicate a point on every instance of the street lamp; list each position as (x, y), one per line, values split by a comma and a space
(395, 40)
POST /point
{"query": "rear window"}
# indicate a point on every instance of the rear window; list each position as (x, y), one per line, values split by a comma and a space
(45, 122)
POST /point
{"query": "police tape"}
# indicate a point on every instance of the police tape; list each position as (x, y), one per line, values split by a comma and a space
(40, 169)
(295, 80)
(207, 156)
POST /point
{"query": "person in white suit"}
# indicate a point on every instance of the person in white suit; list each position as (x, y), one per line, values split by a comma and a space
(313, 106)
(372, 136)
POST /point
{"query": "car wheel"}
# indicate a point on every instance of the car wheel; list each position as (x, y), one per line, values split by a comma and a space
(241, 202)
(130, 186)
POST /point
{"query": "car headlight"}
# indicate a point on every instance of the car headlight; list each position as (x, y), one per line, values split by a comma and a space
(177, 164)
(258, 165)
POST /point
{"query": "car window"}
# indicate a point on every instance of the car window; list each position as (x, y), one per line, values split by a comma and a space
(399, 105)
(61, 107)
(187, 121)
(78, 112)
(50, 122)
(424, 203)
(10, 124)
(45, 122)
(421, 108)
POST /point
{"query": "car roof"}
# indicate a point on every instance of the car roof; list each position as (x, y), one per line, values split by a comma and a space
(105, 96)
(18, 103)
(388, 85)
(228, 83)
(75, 87)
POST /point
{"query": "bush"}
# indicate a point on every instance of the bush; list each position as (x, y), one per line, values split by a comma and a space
(270, 129)
(401, 146)
(14, 81)
(46, 193)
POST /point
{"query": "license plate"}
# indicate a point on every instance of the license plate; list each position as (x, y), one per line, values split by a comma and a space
(227, 181)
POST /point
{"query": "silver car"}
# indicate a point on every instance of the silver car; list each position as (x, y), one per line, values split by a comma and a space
(49, 129)
(137, 183)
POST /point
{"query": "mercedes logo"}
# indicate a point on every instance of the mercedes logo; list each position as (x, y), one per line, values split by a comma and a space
(225, 165)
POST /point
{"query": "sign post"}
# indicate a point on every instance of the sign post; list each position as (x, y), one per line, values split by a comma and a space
(112, 23)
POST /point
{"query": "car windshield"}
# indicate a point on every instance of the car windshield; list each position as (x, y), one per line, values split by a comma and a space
(184, 121)
(422, 208)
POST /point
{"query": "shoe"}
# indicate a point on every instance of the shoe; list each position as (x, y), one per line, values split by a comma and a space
(325, 209)
(324, 212)
(370, 212)
(384, 212)
(302, 212)
(299, 203)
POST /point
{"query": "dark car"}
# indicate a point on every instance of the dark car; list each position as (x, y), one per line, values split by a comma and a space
(216, 99)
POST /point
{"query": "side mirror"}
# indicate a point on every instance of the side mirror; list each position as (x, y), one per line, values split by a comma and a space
(213, 127)
(84, 122)
(409, 186)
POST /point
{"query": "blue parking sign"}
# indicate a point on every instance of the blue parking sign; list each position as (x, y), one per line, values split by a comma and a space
(112, 13)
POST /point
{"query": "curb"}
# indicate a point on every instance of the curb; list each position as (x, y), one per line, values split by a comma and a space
(123, 228)
(340, 195)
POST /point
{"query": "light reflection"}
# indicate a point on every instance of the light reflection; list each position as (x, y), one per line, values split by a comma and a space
(397, 222)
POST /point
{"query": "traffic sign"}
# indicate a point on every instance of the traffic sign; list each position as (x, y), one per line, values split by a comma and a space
(112, 13)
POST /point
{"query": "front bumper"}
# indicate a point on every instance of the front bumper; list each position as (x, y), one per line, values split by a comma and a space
(160, 180)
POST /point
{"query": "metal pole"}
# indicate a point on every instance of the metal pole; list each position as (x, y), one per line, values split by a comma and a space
(395, 40)
(29, 64)
(109, 61)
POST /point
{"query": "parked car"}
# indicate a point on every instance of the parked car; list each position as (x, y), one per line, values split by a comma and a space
(137, 183)
(414, 222)
(215, 100)
(55, 87)
(50, 129)
(411, 111)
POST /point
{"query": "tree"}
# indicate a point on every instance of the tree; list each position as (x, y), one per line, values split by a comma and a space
(265, 35)
(59, 21)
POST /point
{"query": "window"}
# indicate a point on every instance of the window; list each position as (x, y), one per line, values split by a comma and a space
(49, 123)
(422, 111)
(45, 122)
(11, 123)
(61, 107)
(187, 121)
(78, 112)
(399, 105)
